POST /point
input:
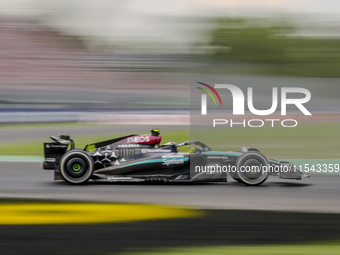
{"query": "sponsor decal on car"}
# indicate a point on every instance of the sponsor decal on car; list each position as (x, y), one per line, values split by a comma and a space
(173, 156)
(217, 157)
(59, 146)
(173, 160)
(155, 150)
(139, 139)
(146, 139)
(128, 145)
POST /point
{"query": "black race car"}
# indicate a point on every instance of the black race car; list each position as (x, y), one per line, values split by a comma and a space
(141, 158)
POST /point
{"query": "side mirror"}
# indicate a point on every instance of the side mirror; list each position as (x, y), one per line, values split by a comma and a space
(65, 137)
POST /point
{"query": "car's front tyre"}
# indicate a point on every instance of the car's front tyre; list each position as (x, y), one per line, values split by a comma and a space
(252, 168)
(76, 167)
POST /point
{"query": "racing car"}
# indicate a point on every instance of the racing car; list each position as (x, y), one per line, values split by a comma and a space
(142, 158)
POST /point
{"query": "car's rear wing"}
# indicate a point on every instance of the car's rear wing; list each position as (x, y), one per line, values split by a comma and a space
(55, 150)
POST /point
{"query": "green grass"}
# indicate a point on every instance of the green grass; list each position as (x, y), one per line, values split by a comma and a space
(314, 141)
(301, 249)
(272, 46)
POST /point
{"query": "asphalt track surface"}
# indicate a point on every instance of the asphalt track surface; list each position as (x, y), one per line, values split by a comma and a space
(27, 180)
(217, 227)
(320, 193)
(263, 225)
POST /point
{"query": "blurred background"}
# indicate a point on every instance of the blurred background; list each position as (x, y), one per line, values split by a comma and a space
(87, 61)
(100, 69)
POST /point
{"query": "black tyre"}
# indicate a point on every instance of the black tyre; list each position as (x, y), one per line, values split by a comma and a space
(76, 167)
(252, 169)
(235, 176)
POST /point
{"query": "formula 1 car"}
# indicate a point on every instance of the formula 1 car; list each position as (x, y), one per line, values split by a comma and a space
(141, 158)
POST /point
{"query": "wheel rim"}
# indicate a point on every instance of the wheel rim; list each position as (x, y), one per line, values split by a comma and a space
(76, 167)
(254, 170)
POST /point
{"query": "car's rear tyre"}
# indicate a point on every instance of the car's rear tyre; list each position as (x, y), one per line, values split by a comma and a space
(252, 168)
(76, 167)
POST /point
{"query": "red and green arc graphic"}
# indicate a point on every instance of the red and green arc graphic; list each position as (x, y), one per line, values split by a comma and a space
(209, 93)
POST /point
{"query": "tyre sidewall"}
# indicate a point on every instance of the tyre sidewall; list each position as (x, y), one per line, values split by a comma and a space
(76, 154)
(244, 158)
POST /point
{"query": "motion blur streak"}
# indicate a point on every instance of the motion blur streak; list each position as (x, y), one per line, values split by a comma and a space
(133, 63)
(46, 76)
(59, 213)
